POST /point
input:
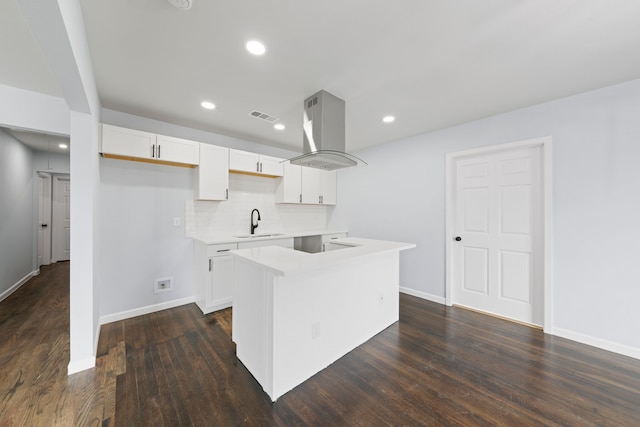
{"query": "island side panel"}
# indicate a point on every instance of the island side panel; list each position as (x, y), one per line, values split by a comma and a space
(252, 320)
(321, 315)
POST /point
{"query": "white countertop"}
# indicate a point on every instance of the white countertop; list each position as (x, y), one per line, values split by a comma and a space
(285, 261)
(214, 240)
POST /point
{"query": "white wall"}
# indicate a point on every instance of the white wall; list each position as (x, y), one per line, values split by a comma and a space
(16, 212)
(596, 196)
(232, 217)
(51, 162)
(139, 202)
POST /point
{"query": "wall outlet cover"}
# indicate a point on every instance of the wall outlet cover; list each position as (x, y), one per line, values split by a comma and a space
(163, 284)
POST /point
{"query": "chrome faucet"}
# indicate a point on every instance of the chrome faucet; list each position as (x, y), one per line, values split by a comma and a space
(254, 226)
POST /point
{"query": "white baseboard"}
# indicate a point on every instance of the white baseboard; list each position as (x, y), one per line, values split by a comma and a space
(80, 365)
(423, 295)
(144, 310)
(625, 350)
(19, 283)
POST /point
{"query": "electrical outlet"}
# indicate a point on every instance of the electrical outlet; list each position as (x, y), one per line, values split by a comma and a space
(163, 284)
(176, 221)
(315, 330)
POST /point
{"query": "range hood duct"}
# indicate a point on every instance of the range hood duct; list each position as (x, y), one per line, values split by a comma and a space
(324, 134)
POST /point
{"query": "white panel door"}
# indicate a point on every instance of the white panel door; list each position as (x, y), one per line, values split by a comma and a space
(61, 231)
(497, 226)
(44, 219)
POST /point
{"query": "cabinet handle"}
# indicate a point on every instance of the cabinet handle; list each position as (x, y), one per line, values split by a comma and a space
(158, 150)
(153, 151)
(226, 195)
(223, 250)
(257, 166)
(300, 197)
(209, 264)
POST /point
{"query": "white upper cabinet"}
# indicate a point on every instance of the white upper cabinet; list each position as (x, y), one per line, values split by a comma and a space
(177, 150)
(310, 185)
(289, 188)
(123, 142)
(328, 187)
(212, 175)
(129, 144)
(271, 166)
(307, 185)
(254, 164)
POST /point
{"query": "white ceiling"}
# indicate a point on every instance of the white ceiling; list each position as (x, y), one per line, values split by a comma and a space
(430, 63)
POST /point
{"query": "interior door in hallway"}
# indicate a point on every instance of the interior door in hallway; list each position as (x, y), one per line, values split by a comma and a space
(44, 219)
(61, 223)
(497, 260)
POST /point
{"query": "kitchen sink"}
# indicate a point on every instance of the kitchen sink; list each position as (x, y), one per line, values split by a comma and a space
(253, 236)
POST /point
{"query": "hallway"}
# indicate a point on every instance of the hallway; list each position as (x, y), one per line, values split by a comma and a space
(34, 354)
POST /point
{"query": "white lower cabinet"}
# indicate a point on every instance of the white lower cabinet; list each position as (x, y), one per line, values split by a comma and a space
(214, 276)
(214, 271)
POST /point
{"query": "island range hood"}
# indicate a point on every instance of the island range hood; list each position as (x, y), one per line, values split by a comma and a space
(324, 134)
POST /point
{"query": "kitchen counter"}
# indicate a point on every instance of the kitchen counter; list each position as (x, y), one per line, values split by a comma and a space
(266, 235)
(295, 313)
(285, 261)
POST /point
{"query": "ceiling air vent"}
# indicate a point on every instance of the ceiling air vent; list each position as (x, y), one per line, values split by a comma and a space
(263, 116)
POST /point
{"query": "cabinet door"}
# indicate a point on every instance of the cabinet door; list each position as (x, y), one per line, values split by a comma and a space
(177, 150)
(289, 188)
(122, 142)
(221, 281)
(212, 175)
(328, 187)
(244, 161)
(271, 166)
(310, 185)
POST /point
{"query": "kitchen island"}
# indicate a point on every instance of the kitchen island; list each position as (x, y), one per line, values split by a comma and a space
(295, 313)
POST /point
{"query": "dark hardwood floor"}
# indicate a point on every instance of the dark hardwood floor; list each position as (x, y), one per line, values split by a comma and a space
(437, 366)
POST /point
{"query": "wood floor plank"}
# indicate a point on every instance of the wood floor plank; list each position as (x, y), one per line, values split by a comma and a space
(438, 366)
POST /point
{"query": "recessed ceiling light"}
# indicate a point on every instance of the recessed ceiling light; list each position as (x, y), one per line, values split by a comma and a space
(181, 4)
(278, 126)
(256, 47)
(388, 119)
(63, 146)
(208, 105)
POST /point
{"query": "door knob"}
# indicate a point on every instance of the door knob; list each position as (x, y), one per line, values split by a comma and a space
(458, 238)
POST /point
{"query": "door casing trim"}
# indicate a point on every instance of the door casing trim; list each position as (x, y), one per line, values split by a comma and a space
(545, 144)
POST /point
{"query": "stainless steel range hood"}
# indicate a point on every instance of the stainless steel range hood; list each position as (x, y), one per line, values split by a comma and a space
(324, 134)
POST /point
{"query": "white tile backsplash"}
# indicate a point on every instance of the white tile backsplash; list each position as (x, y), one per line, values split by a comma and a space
(247, 192)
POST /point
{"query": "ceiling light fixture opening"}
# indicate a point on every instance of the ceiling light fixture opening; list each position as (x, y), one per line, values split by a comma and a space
(208, 105)
(278, 126)
(388, 119)
(181, 4)
(255, 47)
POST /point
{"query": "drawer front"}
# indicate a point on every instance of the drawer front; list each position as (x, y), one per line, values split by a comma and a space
(328, 237)
(221, 249)
(286, 243)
